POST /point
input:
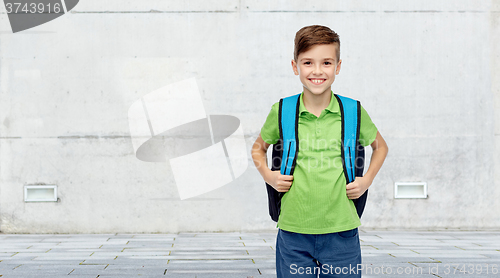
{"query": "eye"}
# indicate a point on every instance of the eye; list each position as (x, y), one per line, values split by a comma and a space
(307, 63)
(328, 63)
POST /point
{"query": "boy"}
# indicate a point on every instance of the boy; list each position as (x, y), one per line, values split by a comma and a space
(318, 222)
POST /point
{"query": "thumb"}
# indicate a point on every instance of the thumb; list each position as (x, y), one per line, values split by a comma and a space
(350, 185)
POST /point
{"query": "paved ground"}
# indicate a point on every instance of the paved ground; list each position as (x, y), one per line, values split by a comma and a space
(220, 255)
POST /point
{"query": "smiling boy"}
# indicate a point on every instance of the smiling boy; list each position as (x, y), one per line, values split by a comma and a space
(318, 221)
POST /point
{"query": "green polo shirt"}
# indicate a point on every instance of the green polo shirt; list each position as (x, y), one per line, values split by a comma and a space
(317, 202)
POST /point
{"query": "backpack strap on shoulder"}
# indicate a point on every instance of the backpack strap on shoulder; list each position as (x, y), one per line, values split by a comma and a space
(352, 152)
(285, 150)
(350, 114)
(288, 124)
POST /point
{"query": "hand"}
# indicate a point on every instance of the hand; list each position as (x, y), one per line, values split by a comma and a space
(356, 188)
(279, 182)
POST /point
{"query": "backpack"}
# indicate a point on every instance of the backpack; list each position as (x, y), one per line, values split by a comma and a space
(284, 154)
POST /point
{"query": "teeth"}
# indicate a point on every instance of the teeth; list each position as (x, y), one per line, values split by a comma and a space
(317, 80)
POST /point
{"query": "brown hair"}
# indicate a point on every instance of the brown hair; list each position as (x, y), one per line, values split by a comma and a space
(312, 35)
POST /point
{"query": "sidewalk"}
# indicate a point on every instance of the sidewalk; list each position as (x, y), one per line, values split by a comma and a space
(221, 255)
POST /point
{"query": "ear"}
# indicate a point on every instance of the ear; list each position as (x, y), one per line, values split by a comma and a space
(338, 67)
(294, 67)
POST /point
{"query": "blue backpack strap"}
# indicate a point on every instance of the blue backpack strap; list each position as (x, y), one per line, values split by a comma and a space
(285, 150)
(350, 114)
(353, 154)
(288, 123)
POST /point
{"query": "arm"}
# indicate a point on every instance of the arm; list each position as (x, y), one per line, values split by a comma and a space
(356, 188)
(278, 181)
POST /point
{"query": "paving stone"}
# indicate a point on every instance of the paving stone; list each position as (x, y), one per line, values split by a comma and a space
(231, 254)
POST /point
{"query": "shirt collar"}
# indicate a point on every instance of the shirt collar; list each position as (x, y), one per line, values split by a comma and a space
(332, 107)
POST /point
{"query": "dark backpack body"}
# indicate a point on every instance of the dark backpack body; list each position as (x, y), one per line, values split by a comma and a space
(284, 152)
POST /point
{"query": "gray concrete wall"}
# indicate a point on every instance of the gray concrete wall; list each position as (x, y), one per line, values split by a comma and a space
(426, 72)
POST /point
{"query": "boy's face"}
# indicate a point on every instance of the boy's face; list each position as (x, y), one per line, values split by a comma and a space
(317, 68)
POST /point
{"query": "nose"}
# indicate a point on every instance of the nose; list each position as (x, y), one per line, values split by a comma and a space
(317, 69)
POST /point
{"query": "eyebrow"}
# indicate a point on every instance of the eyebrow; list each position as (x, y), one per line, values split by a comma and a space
(313, 59)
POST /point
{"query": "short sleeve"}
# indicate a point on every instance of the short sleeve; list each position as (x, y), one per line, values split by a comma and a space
(270, 132)
(367, 130)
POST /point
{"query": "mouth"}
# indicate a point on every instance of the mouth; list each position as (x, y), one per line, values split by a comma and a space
(317, 81)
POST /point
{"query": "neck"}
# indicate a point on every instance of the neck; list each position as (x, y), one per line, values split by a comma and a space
(319, 102)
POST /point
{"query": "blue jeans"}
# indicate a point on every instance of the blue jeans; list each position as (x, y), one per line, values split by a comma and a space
(307, 255)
